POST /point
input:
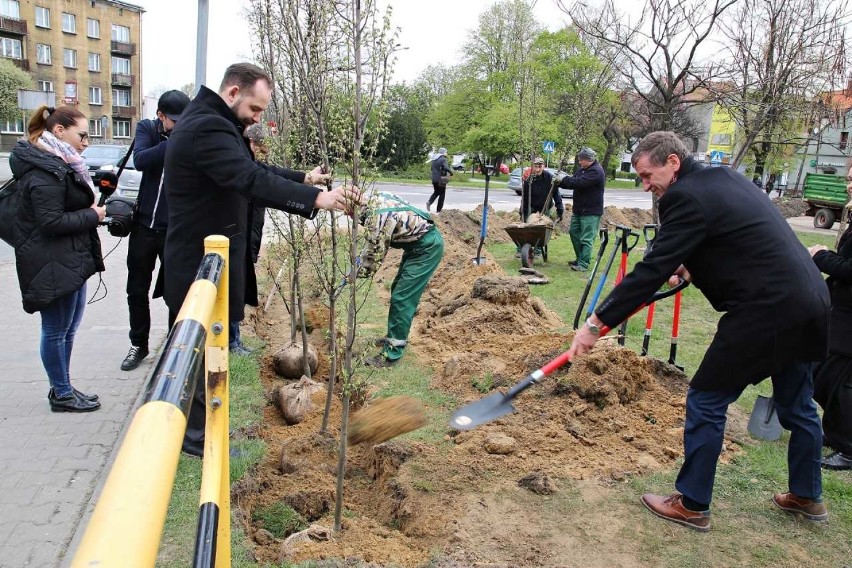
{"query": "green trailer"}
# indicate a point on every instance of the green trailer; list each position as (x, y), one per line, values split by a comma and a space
(826, 197)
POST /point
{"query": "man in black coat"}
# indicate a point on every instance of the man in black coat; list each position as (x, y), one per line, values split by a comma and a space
(538, 193)
(588, 184)
(719, 231)
(210, 177)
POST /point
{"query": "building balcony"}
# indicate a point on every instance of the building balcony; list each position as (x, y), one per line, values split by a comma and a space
(122, 48)
(123, 80)
(123, 111)
(13, 26)
(21, 63)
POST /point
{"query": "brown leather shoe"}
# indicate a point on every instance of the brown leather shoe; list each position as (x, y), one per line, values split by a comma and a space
(808, 508)
(670, 507)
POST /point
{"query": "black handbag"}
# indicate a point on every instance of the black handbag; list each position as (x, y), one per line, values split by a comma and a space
(10, 197)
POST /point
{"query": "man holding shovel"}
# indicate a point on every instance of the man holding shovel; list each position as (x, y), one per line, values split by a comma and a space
(721, 233)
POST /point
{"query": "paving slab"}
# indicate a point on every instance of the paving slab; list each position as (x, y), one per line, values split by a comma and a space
(52, 464)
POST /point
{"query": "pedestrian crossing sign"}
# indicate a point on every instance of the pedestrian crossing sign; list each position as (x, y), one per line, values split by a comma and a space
(548, 146)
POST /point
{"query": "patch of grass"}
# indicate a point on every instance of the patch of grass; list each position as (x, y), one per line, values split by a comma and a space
(483, 384)
(279, 519)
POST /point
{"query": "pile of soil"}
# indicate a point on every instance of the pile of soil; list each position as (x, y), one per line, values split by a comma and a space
(611, 416)
(790, 207)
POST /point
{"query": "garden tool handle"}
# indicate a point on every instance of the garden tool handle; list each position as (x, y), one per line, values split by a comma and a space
(604, 236)
(650, 227)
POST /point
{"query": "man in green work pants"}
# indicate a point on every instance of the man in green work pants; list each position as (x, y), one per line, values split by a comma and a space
(392, 222)
(588, 185)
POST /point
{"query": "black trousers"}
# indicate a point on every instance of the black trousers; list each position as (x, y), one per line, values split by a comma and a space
(833, 392)
(145, 247)
(438, 191)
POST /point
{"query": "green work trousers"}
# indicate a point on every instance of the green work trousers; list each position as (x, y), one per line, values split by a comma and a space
(583, 230)
(419, 261)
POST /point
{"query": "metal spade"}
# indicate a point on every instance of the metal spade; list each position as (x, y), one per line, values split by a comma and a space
(763, 423)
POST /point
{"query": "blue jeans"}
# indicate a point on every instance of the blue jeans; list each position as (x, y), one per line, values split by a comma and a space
(59, 322)
(703, 434)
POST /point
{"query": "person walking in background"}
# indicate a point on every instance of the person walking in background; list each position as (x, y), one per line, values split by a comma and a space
(833, 377)
(210, 177)
(588, 185)
(148, 236)
(441, 173)
(57, 247)
(756, 181)
(734, 246)
(770, 185)
(538, 193)
(392, 222)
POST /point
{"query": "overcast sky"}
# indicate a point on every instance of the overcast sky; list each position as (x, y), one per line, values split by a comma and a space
(433, 31)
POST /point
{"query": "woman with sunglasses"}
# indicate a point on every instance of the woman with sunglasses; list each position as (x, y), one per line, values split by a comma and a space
(57, 247)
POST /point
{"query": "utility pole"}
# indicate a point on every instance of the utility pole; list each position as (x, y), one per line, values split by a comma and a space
(201, 45)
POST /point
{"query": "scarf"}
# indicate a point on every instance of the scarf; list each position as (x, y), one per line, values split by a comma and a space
(47, 141)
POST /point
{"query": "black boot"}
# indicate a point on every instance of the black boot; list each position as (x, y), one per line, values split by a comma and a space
(84, 396)
(71, 403)
(134, 357)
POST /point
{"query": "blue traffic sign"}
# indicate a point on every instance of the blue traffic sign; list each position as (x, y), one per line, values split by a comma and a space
(716, 156)
(548, 146)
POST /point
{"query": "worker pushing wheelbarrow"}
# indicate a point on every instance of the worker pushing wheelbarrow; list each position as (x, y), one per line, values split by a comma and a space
(538, 194)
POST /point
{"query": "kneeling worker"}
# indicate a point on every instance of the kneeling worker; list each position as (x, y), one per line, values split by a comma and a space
(393, 222)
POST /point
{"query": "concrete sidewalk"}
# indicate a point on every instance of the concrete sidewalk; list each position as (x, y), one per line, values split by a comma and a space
(52, 463)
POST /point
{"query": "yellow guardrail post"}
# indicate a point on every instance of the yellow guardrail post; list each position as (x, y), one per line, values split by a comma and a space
(213, 537)
(127, 523)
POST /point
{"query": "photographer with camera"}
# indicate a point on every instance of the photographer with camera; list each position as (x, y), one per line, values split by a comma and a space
(148, 236)
(57, 247)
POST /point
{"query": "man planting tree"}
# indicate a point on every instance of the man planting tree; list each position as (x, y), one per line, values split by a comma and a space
(719, 231)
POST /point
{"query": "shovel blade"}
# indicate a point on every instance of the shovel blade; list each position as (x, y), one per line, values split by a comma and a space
(484, 410)
(763, 423)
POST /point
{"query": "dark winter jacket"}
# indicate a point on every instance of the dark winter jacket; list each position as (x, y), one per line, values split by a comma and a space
(149, 155)
(534, 192)
(57, 247)
(588, 185)
(745, 258)
(440, 167)
(838, 266)
(210, 177)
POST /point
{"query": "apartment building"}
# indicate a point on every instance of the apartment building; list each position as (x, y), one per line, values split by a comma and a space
(87, 52)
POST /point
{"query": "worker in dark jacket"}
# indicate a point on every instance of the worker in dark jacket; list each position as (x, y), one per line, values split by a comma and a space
(720, 233)
(441, 172)
(538, 193)
(210, 177)
(148, 236)
(833, 377)
(57, 247)
(588, 185)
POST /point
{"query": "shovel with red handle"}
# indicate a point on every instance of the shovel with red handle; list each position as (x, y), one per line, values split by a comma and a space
(499, 404)
(675, 325)
(650, 233)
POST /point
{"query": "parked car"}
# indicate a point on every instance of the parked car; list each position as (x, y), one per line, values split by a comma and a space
(102, 158)
(515, 179)
(458, 167)
(128, 183)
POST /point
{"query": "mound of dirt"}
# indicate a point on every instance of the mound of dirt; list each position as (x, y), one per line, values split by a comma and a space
(790, 207)
(610, 416)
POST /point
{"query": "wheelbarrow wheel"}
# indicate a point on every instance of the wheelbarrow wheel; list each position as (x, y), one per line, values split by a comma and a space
(527, 255)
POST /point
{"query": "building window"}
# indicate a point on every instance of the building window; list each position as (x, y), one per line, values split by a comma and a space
(721, 139)
(12, 126)
(43, 55)
(121, 97)
(94, 62)
(10, 9)
(93, 28)
(69, 58)
(46, 86)
(42, 17)
(120, 33)
(69, 23)
(121, 65)
(844, 140)
(95, 96)
(121, 129)
(10, 48)
(95, 128)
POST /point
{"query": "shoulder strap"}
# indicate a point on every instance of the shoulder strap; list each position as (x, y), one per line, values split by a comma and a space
(403, 206)
(126, 157)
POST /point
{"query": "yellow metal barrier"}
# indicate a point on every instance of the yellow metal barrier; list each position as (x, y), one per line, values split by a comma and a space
(127, 524)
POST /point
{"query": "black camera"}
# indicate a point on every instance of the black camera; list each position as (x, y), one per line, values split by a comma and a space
(120, 212)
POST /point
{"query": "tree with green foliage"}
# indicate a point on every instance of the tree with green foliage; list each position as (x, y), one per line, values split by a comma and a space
(404, 141)
(12, 79)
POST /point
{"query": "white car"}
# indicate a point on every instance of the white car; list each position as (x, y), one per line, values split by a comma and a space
(128, 183)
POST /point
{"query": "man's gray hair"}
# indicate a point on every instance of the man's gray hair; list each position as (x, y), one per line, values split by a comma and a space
(658, 146)
(587, 154)
(256, 133)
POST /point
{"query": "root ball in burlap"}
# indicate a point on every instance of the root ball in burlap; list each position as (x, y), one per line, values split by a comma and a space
(294, 400)
(288, 361)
